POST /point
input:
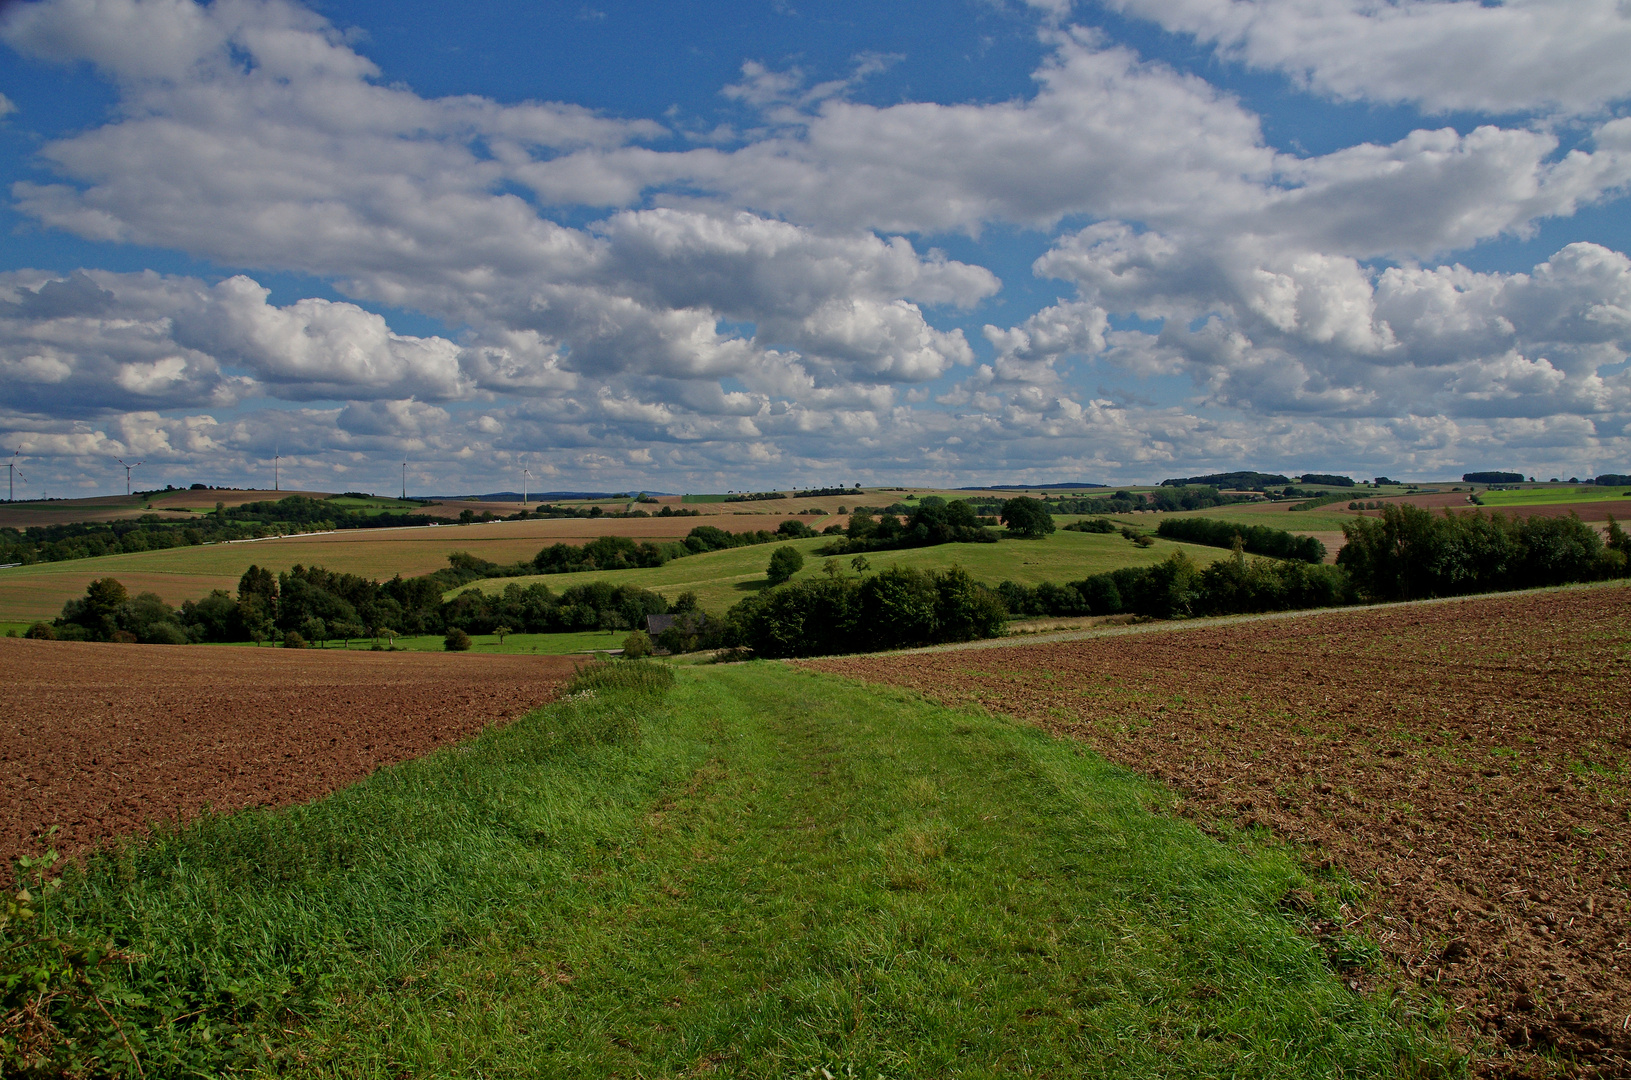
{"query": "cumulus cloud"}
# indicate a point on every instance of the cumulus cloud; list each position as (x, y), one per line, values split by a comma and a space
(1306, 332)
(1511, 57)
(759, 307)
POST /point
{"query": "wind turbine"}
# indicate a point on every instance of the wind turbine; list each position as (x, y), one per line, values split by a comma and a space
(404, 481)
(132, 465)
(14, 476)
(526, 475)
(276, 457)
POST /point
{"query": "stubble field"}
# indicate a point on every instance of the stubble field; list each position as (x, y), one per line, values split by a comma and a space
(101, 740)
(1468, 763)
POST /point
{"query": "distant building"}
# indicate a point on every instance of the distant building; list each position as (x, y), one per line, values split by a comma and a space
(656, 624)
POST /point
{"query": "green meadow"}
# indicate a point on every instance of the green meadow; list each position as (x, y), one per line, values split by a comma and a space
(749, 870)
(721, 578)
(1554, 496)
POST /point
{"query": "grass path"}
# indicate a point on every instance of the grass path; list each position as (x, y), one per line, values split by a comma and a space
(766, 872)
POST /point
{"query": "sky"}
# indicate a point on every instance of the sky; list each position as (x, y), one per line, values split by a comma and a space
(753, 245)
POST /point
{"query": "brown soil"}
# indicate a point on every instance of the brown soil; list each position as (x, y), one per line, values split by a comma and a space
(101, 740)
(1468, 762)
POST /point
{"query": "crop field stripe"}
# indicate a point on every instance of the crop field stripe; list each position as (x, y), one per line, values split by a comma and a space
(769, 873)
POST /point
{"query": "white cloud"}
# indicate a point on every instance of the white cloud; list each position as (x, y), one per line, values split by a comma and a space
(1317, 333)
(1511, 57)
(749, 309)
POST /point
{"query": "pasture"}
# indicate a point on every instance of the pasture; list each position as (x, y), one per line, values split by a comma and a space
(721, 578)
(177, 574)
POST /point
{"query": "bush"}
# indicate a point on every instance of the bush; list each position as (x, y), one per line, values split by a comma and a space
(636, 645)
(41, 631)
(165, 633)
(293, 640)
(456, 640)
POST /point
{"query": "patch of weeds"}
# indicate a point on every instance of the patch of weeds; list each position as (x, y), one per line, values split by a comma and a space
(634, 676)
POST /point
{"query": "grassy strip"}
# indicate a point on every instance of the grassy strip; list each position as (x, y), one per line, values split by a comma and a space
(766, 872)
(1553, 496)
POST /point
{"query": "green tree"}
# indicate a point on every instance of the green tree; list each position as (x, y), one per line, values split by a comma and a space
(456, 640)
(785, 561)
(1027, 517)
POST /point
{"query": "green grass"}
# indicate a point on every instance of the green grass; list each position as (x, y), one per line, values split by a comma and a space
(721, 578)
(1553, 496)
(764, 873)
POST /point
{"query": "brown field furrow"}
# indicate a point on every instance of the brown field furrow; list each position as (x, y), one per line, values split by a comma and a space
(1469, 763)
(101, 740)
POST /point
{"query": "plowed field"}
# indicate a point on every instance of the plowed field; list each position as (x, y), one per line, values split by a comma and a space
(100, 740)
(1469, 763)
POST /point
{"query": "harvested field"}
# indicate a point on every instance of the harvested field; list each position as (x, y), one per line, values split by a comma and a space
(1467, 762)
(100, 740)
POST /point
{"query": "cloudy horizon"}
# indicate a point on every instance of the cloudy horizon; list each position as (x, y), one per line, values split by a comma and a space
(994, 242)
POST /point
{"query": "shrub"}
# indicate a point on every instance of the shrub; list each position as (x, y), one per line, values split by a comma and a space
(637, 645)
(293, 640)
(41, 631)
(641, 678)
(456, 640)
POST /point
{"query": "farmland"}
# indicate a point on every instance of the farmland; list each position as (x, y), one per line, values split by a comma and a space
(1467, 762)
(98, 740)
(177, 574)
(721, 578)
(759, 871)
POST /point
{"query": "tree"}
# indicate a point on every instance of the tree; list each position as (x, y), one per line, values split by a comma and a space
(636, 645)
(785, 561)
(502, 632)
(314, 629)
(456, 640)
(1027, 517)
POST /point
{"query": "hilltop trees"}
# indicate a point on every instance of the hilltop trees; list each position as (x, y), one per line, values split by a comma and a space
(1027, 517)
(933, 521)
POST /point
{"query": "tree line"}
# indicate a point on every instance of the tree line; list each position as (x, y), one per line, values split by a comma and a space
(1406, 554)
(1256, 539)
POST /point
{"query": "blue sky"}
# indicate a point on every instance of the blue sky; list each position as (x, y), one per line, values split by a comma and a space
(806, 243)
